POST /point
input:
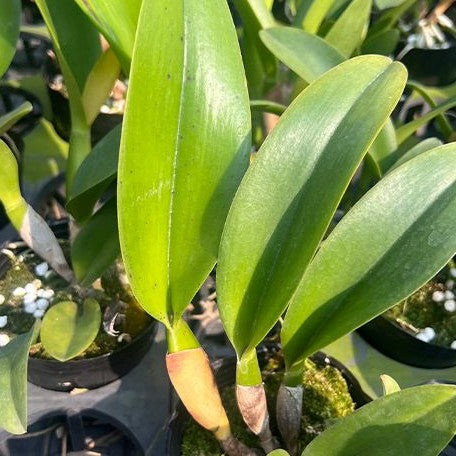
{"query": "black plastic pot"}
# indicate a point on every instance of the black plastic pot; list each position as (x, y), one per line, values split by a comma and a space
(86, 373)
(93, 372)
(391, 340)
(225, 375)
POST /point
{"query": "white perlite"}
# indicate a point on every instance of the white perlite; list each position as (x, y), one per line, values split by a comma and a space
(38, 313)
(19, 292)
(3, 321)
(453, 345)
(42, 304)
(438, 296)
(450, 305)
(449, 294)
(29, 298)
(4, 339)
(426, 335)
(2, 299)
(41, 269)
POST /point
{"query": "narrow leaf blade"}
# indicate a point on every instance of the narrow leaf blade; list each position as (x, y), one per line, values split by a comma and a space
(397, 237)
(284, 205)
(10, 21)
(185, 146)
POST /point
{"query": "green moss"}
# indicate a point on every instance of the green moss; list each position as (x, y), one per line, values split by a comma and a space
(420, 311)
(326, 398)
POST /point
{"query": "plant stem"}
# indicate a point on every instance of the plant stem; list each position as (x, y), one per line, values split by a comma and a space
(251, 399)
(180, 337)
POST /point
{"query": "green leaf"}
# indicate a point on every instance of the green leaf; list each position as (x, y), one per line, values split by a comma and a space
(383, 42)
(185, 146)
(10, 21)
(68, 328)
(408, 129)
(13, 381)
(93, 177)
(396, 238)
(12, 117)
(279, 453)
(99, 84)
(309, 56)
(314, 15)
(423, 146)
(385, 4)
(117, 21)
(390, 18)
(10, 192)
(284, 204)
(260, 65)
(97, 245)
(384, 145)
(389, 385)
(420, 420)
(267, 106)
(349, 30)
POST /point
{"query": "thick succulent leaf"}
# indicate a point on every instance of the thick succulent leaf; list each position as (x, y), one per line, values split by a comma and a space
(260, 65)
(10, 118)
(284, 204)
(116, 20)
(349, 30)
(93, 177)
(420, 420)
(313, 13)
(68, 328)
(185, 147)
(423, 146)
(99, 84)
(408, 129)
(13, 381)
(10, 192)
(97, 245)
(10, 21)
(309, 56)
(383, 42)
(397, 237)
(385, 4)
(389, 385)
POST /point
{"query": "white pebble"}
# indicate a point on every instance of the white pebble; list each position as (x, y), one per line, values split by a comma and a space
(37, 284)
(438, 296)
(46, 294)
(450, 305)
(449, 284)
(42, 304)
(19, 291)
(29, 298)
(426, 335)
(4, 339)
(30, 308)
(2, 299)
(38, 313)
(453, 272)
(3, 321)
(41, 269)
(453, 345)
(449, 294)
(30, 288)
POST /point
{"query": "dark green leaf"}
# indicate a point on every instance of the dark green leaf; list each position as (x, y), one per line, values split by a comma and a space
(10, 21)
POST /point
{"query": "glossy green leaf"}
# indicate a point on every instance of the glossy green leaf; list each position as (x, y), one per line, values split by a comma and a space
(12, 117)
(396, 238)
(93, 177)
(309, 56)
(267, 106)
(385, 4)
(10, 192)
(350, 28)
(423, 146)
(384, 145)
(117, 21)
(68, 328)
(10, 21)
(314, 15)
(77, 46)
(260, 65)
(96, 246)
(13, 381)
(420, 420)
(408, 129)
(185, 147)
(99, 84)
(383, 42)
(389, 385)
(285, 204)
